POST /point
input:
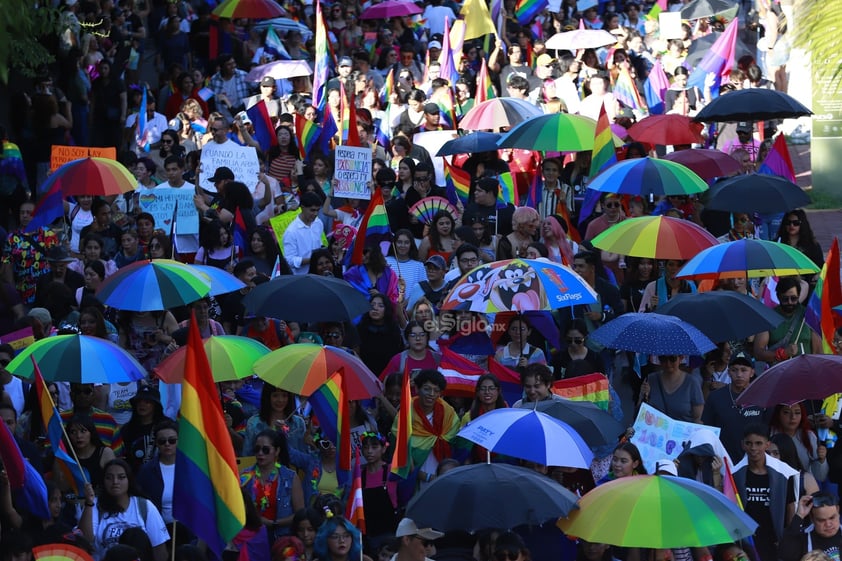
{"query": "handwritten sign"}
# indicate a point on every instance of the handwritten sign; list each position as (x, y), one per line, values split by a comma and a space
(353, 171)
(160, 203)
(60, 155)
(18, 339)
(242, 160)
(659, 436)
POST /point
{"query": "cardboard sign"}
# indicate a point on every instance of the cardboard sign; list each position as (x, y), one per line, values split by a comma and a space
(242, 160)
(19, 339)
(60, 155)
(160, 203)
(353, 171)
(659, 436)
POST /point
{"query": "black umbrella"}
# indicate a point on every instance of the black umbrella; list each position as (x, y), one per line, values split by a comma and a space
(722, 315)
(306, 298)
(698, 9)
(699, 48)
(753, 104)
(756, 192)
(484, 496)
(595, 426)
(471, 143)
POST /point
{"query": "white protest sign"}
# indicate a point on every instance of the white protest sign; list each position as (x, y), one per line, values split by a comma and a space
(659, 436)
(352, 169)
(160, 203)
(669, 24)
(242, 160)
(432, 141)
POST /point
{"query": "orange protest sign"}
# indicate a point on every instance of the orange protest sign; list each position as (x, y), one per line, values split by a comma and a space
(60, 155)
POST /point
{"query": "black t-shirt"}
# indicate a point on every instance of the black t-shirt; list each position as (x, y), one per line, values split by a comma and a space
(758, 505)
(721, 411)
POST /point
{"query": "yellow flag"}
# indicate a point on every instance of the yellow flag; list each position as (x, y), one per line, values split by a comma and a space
(477, 19)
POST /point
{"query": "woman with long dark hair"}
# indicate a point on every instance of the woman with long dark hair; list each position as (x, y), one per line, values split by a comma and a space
(374, 275)
(380, 334)
(276, 412)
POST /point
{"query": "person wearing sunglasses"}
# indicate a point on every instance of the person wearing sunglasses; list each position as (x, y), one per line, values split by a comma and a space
(83, 397)
(795, 231)
(815, 527)
(338, 540)
(742, 226)
(157, 477)
(575, 358)
(414, 541)
(674, 391)
(793, 336)
(274, 487)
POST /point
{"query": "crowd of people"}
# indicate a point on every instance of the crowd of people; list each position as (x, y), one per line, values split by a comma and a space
(126, 434)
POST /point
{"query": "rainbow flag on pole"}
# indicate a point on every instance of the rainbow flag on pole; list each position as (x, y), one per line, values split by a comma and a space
(355, 512)
(322, 60)
(527, 10)
(603, 156)
(206, 494)
(458, 183)
(401, 464)
(626, 92)
(331, 409)
(820, 313)
(507, 193)
(485, 90)
(374, 229)
(306, 135)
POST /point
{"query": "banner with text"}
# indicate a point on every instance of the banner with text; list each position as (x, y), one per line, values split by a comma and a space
(242, 160)
(659, 436)
(160, 203)
(353, 172)
(60, 155)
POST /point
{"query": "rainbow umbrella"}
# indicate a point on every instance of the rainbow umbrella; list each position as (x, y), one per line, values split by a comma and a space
(154, 285)
(303, 368)
(78, 358)
(648, 177)
(230, 357)
(60, 552)
(91, 176)
(498, 113)
(221, 281)
(748, 258)
(557, 132)
(655, 237)
(657, 511)
(249, 9)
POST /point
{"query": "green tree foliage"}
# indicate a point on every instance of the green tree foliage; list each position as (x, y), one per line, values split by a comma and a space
(818, 29)
(24, 29)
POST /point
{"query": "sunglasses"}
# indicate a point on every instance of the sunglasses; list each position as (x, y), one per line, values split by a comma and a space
(792, 223)
(788, 299)
(576, 340)
(163, 441)
(166, 141)
(263, 449)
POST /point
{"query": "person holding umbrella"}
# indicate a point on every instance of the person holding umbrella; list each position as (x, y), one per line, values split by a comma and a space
(792, 337)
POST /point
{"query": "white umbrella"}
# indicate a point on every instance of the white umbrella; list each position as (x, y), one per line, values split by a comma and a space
(580, 39)
(284, 25)
(279, 70)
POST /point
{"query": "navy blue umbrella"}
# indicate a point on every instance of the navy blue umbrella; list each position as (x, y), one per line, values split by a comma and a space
(471, 143)
(722, 315)
(653, 334)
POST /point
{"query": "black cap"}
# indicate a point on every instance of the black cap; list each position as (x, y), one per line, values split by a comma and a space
(741, 358)
(222, 173)
(148, 393)
(58, 254)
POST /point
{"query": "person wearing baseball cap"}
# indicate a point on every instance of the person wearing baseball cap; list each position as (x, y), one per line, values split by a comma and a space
(343, 69)
(269, 95)
(413, 541)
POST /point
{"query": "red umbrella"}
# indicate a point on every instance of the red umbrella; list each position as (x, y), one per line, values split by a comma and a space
(667, 129)
(796, 379)
(390, 9)
(707, 164)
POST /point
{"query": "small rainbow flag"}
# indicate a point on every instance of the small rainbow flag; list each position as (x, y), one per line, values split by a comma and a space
(485, 90)
(446, 110)
(591, 387)
(827, 295)
(322, 60)
(626, 92)
(458, 184)
(507, 194)
(527, 10)
(448, 66)
(331, 408)
(388, 88)
(374, 229)
(11, 164)
(206, 495)
(306, 135)
(401, 464)
(355, 511)
(369, 43)
(603, 155)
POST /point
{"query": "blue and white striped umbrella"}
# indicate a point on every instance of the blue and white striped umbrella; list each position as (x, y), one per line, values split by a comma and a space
(529, 435)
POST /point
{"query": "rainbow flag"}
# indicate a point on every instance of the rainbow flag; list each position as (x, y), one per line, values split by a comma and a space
(11, 164)
(460, 373)
(510, 385)
(828, 294)
(388, 88)
(729, 486)
(306, 135)
(206, 494)
(54, 429)
(592, 387)
(355, 511)
(28, 488)
(322, 60)
(485, 90)
(328, 131)
(507, 193)
(778, 161)
(527, 10)
(603, 155)
(331, 408)
(448, 66)
(264, 130)
(447, 111)
(655, 87)
(719, 60)
(458, 183)
(626, 92)
(401, 464)
(369, 43)
(419, 25)
(374, 229)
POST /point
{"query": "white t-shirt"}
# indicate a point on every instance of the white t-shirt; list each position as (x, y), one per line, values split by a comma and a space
(109, 527)
(168, 475)
(79, 219)
(119, 401)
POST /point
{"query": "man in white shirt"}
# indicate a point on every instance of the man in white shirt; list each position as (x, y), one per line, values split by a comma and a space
(155, 125)
(304, 234)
